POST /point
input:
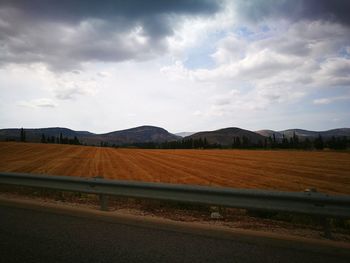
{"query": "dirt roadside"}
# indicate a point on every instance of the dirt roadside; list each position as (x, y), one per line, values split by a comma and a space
(229, 219)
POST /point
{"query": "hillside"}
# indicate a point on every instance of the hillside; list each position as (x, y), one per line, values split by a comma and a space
(302, 134)
(142, 134)
(335, 132)
(34, 135)
(184, 134)
(270, 133)
(151, 134)
(225, 137)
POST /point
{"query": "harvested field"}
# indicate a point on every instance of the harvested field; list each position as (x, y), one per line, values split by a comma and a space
(279, 170)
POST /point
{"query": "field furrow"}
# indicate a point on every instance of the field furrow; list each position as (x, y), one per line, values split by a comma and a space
(279, 170)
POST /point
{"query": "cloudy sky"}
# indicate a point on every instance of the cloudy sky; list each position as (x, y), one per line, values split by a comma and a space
(184, 65)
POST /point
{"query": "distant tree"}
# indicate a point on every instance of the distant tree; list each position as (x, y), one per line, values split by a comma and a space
(343, 143)
(270, 142)
(295, 140)
(23, 135)
(245, 142)
(205, 143)
(43, 138)
(285, 143)
(337, 143)
(260, 144)
(306, 144)
(76, 141)
(266, 142)
(236, 142)
(318, 143)
(200, 143)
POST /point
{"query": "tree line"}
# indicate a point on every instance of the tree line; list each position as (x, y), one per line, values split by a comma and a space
(51, 139)
(180, 144)
(59, 139)
(294, 142)
(318, 143)
(271, 142)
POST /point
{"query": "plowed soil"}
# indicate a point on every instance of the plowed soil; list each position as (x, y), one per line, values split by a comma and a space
(278, 170)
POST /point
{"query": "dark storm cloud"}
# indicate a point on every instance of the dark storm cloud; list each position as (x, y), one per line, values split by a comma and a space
(130, 10)
(65, 33)
(328, 10)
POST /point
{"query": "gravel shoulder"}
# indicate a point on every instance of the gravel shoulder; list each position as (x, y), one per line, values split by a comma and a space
(232, 220)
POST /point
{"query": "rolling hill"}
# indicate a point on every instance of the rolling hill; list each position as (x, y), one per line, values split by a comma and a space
(270, 133)
(302, 134)
(34, 135)
(184, 134)
(142, 134)
(152, 134)
(225, 136)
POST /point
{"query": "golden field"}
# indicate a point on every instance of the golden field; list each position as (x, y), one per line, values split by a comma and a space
(279, 170)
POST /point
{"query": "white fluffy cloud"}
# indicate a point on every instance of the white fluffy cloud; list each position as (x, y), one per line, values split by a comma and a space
(184, 65)
(65, 35)
(39, 103)
(280, 65)
(323, 101)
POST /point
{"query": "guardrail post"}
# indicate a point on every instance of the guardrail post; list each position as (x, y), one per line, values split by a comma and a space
(327, 228)
(103, 202)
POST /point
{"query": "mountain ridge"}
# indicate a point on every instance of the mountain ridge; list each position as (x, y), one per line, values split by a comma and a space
(225, 136)
(140, 134)
(154, 134)
(303, 134)
(184, 134)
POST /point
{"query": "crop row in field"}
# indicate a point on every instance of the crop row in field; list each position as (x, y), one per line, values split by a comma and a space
(279, 170)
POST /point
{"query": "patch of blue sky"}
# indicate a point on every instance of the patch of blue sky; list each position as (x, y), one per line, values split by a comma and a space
(199, 57)
(311, 116)
(264, 28)
(332, 92)
(244, 32)
(344, 52)
(330, 100)
(243, 87)
(261, 32)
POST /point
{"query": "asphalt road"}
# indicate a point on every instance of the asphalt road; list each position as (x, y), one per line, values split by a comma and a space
(34, 236)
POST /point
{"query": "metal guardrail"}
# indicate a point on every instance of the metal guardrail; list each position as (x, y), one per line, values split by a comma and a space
(310, 203)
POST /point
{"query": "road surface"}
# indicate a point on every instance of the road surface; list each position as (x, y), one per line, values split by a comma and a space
(28, 235)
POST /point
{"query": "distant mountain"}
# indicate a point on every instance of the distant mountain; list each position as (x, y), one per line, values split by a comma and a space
(34, 135)
(337, 132)
(142, 134)
(147, 134)
(341, 132)
(184, 134)
(225, 136)
(300, 133)
(270, 133)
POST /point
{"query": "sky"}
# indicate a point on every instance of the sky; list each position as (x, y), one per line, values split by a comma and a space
(184, 65)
